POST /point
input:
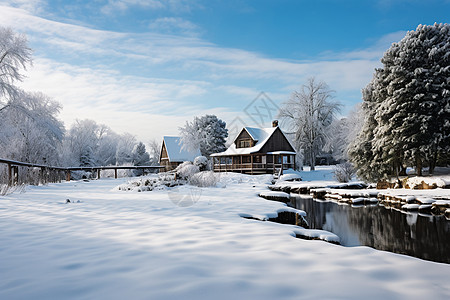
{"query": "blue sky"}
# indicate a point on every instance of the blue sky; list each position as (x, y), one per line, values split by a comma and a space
(147, 67)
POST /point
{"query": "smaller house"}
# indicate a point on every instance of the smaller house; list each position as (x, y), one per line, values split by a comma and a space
(257, 151)
(172, 153)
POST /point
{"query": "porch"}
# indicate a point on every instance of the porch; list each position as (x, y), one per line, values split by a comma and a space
(254, 163)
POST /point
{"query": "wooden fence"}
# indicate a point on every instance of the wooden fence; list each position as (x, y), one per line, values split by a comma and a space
(57, 174)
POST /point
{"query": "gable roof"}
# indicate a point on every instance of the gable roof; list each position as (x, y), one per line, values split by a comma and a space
(259, 135)
(175, 150)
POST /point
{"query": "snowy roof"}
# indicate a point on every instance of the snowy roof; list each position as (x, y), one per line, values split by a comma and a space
(175, 150)
(260, 135)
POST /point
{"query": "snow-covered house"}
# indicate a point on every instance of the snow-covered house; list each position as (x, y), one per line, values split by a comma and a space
(173, 154)
(257, 151)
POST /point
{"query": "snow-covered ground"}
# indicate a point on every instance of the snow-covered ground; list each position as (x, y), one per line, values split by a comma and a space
(186, 243)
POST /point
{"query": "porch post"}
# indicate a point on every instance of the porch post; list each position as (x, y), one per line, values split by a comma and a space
(273, 163)
(241, 163)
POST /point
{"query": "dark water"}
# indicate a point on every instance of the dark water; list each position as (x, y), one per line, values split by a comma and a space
(426, 237)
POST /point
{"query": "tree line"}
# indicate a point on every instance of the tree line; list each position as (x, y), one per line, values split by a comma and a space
(30, 130)
(403, 121)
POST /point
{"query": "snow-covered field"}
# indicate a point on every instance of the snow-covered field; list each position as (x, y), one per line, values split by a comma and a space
(186, 243)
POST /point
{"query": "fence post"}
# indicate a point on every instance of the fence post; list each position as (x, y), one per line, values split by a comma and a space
(98, 173)
(115, 173)
(15, 174)
(10, 175)
(42, 176)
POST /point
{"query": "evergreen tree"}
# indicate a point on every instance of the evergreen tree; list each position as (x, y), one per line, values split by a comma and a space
(87, 158)
(140, 158)
(207, 133)
(407, 106)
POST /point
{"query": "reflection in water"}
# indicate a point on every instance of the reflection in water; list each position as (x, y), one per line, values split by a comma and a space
(426, 237)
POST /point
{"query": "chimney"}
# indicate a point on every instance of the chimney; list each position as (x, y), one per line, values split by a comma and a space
(275, 123)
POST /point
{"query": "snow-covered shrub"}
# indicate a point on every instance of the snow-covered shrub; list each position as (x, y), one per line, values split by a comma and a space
(204, 179)
(201, 162)
(186, 170)
(290, 177)
(344, 172)
(150, 183)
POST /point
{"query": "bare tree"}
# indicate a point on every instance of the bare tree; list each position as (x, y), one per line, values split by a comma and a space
(343, 132)
(125, 147)
(308, 113)
(14, 56)
(30, 130)
(154, 149)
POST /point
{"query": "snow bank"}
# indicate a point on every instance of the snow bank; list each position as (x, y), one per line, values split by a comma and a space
(116, 245)
(290, 177)
(277, 196)
(316, 234)
(427, 182)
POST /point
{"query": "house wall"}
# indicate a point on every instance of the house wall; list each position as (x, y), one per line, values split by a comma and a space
(163, 153)
(277, 142)
(244, 136)
(169, 166)
(164, 160)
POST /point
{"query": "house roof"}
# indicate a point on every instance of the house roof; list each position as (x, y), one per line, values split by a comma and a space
(259, 135)
(175, 151)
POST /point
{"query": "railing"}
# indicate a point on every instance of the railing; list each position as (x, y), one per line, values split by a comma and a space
(57, 174)
(250, 166)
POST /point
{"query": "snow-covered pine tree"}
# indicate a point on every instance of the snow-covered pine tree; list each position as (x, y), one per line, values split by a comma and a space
(140, 158)
(87, 158)
(412, 111)
(207, 133)
(362, 151)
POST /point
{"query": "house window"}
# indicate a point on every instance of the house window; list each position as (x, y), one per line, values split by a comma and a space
(244, 143)
(246, 159)
(257, 159)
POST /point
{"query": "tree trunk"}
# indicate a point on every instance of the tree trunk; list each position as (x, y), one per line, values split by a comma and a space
(433, 161)
(402, 171)
(418, 165)
(312, 159)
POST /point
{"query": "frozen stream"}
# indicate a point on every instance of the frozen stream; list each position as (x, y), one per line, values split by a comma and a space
(426, 237)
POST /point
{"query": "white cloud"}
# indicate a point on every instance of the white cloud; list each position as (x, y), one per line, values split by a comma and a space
(32, 6)
(111, 76)
(173, 5)
(122, 5)
(173, 25)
